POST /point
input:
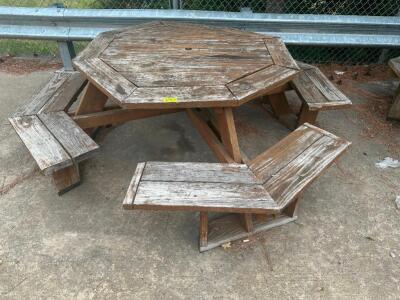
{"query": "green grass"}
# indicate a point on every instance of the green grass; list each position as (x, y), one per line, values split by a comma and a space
(44, 3)
(29, 48)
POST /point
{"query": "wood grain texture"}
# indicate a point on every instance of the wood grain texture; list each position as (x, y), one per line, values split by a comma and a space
(306, 115)
(227, 132)
(261, 82)
(315, 89)
(199, 172)
(55, 95)
(92, 100)
(203, 196)
(73, 139)
(285, 185)
(268, 163)
(209, 137)
(190, 62)
(280, 54)
(294, 162)
(66, 94)
(228, 228)
(66, 179)
(109, 81)
(180, 97)
(203, 229)
(116, 116)
(133, 186)
(43, 146)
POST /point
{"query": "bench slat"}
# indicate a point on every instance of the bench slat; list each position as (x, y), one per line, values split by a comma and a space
(43, 146)
(315, 89)
(285, 185)
(67, 92)
(308, 91)
(326, 87)
(198, 172)
(280, 54)
(281, 154)
(259, 83)
(55, 95)
(74, 140)
(199, 196)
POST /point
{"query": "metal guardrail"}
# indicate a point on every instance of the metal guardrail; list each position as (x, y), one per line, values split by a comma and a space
(68, 25)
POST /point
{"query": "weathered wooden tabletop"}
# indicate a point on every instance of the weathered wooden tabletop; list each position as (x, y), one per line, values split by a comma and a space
(168, 64)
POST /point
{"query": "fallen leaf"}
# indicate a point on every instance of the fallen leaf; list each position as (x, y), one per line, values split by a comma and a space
(226, 245)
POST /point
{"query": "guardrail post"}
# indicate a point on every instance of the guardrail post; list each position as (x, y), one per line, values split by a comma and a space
(175, 4)
(67, 53)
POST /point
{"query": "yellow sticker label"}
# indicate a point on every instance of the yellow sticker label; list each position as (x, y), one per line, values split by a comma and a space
(169, 99)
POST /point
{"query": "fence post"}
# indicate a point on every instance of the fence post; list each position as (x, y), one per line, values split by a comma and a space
(175, 4)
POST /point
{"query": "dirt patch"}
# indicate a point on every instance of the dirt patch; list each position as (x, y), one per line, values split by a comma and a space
(373, 113)
(19, 65)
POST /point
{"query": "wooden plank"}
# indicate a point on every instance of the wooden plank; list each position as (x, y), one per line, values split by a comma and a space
(315, 96)
(228, 228)
(199, 172)
(304, 66)
(326, 87)
(73, 139)
(261, 82)
(247, 221)
(96, 46)
(280, 54)
(306, 115)
(43, 146)
(394, 64)
(203, 196)
(286, 184)
(279, 104)
(65, 94)
(92, 100)
(209, 137)
(66, 179)
(308, 91)
(227, 131)
(203, 229)
(180, 97)
(116, 116)
(45, 94)
(109, 81)
(133, 186)
(268, 163)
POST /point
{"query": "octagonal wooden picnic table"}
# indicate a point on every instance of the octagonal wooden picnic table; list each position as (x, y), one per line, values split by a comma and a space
(165, 67)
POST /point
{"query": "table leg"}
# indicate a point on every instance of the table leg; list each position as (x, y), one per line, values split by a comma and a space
(203, 229)
(93, 100)
(279, 104)
(307, 115)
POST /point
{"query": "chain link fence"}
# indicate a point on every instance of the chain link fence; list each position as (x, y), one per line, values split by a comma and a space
(306, 53)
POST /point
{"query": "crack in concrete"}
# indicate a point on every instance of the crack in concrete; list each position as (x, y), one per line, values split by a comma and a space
(6, 188)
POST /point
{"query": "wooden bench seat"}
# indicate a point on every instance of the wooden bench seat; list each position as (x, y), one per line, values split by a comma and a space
(317, 93)
(197, 187)
(394, 111)
(61, 90)
(270, 184)
(54, 140)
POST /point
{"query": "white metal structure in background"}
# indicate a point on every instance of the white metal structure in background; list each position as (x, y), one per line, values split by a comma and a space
(68, 25)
